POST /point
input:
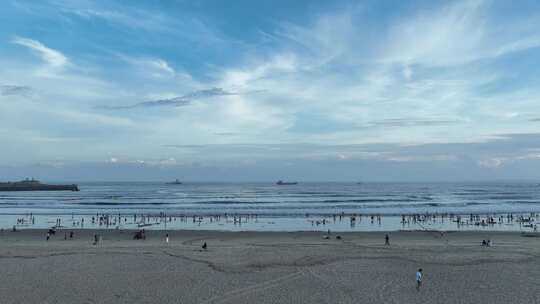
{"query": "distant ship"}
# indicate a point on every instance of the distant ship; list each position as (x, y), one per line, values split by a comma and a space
(35, 185)
(176, 182)
(282, 183)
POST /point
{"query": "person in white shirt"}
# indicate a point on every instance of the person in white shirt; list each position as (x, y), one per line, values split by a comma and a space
(418, 279)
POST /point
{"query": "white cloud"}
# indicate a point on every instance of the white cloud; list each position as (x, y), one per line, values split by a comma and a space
(152, 67)
(161, 64)
(52, 57)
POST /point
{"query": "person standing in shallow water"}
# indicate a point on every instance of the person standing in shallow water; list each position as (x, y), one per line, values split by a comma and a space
(419, 276)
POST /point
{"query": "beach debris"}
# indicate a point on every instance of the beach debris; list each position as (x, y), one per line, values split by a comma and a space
(530, 234)
(140, 235)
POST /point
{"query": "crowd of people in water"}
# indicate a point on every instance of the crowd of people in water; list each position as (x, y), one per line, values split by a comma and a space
(163, 220)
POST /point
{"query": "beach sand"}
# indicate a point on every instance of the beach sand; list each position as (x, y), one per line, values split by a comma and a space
(268, 267)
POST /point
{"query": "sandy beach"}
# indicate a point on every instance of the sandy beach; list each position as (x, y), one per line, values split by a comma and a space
(268, 267)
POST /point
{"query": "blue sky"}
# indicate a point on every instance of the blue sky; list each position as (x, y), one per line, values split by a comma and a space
(261, 90)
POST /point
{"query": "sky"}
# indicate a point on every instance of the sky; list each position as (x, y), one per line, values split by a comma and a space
(264, 90)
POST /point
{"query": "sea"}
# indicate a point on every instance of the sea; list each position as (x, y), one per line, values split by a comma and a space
(271, 207)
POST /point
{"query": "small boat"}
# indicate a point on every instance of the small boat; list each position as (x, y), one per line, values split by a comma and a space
(176, 182)
(282, 183)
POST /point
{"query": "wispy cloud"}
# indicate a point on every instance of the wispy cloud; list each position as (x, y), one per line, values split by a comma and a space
(138, 19)
(406, 122)
(9, 90)
(52, 57)
(459, 33)
(149, 20)
(162, 65)
(179, 101)
(226, 133)
(154, 67)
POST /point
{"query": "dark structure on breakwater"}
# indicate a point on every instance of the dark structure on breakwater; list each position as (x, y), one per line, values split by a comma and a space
(34, 185)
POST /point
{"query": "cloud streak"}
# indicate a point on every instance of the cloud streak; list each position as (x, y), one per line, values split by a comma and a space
(179, 101)
(406, 122)
(13, 90)
(50, 56)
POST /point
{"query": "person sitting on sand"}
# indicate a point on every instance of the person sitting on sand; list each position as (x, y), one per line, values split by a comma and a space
(418, 279)
(204, 246)
(484, 243)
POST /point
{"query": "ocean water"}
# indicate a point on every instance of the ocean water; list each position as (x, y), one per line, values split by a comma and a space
(285, 207)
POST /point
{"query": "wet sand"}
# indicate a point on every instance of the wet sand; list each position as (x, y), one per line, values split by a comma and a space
(268, 267)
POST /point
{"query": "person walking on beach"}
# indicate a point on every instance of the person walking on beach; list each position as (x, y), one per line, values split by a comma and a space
(419, 279)
(387, 240)
(167, 238)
